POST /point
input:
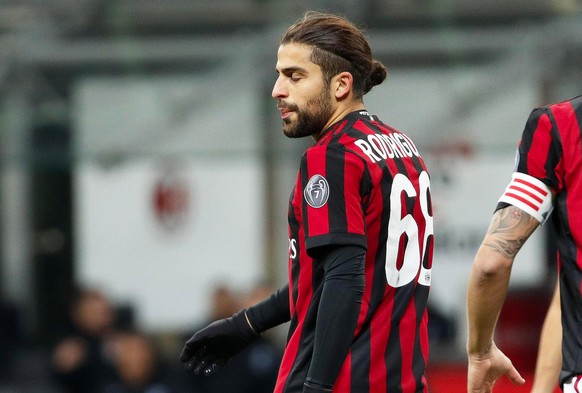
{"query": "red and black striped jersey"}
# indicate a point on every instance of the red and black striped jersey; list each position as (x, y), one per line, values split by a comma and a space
(550, 150)
(363, 183)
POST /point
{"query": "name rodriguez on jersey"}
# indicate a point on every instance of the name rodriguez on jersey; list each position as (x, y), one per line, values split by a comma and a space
(380, 147)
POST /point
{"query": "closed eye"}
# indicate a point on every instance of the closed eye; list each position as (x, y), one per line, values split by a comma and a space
(295, 74)
(295, 77)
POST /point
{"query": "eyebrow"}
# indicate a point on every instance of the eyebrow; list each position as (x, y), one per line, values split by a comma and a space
(290, 70)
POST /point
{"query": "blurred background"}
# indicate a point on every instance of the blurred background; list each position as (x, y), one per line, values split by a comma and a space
(142, 161)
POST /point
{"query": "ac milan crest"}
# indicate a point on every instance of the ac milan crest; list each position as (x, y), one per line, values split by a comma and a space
(170, 200)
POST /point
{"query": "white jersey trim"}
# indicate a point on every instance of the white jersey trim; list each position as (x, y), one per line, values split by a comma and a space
(574, 386)
(530, 195)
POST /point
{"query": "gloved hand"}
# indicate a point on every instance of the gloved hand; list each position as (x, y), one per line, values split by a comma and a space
(217, 343)
(310, 387)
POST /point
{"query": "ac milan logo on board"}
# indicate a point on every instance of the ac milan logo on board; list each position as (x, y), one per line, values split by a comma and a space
(316, 191)
(170, 201)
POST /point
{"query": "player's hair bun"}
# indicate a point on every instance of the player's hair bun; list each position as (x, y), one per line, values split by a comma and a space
(377, 75)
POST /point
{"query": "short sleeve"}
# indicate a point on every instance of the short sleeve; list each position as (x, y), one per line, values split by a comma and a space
(333, 214)
(539, 152)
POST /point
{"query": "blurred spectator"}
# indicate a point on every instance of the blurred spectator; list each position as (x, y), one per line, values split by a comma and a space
(138, 365)
(82, 361)
(10, 338)
(441, 327)
(223, 303)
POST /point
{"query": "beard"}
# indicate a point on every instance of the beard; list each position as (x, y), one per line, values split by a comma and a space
(310, 119)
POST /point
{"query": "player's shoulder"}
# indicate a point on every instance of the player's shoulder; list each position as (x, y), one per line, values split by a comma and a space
(567, 105)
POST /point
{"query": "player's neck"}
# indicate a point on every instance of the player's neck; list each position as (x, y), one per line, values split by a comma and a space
(340, 112)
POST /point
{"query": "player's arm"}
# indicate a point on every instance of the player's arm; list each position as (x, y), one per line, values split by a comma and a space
(337, 315)
(218, 342)
(549, 359)
(509, 229)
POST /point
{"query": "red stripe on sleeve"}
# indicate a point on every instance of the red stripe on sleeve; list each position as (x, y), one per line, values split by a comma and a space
(517, 197)
(530, 185)
(540, 147)
(317, 218)
(526, 192)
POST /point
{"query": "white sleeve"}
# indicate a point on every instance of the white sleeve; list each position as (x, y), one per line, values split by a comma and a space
(530, 195)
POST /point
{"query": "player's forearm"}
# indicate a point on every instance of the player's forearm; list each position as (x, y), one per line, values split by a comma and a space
(486, 293)
(270, 312)
(508, 231)
(337, 314)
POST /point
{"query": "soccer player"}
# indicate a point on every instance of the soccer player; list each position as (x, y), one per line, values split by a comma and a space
(548, 176)
(360, 231)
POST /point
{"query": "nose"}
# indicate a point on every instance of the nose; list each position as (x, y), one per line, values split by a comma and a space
(278, 90)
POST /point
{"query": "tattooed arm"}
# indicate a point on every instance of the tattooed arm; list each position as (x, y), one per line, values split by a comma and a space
(508, 231)
(487, 289)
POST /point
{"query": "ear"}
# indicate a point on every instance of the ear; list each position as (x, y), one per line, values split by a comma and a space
(342, 84)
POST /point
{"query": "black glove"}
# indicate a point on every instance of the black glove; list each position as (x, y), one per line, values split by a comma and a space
(217, 343)
(310, 387)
